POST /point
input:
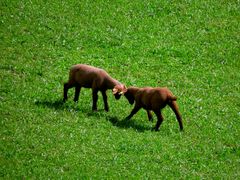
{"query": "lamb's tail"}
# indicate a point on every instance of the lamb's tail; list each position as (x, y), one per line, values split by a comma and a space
(172, 98)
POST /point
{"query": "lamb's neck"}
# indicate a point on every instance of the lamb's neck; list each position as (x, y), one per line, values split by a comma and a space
(133, 90)
(110, 82)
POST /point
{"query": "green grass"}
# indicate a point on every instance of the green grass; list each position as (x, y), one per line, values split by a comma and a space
(190, 46)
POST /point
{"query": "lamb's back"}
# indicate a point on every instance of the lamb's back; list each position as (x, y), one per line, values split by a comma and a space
(86, 75)
(153, 98)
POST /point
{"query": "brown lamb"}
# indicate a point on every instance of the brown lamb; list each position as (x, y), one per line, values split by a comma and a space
(86, 76)
(154, 99)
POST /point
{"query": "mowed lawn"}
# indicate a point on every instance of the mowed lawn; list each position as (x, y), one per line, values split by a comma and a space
(190, 46)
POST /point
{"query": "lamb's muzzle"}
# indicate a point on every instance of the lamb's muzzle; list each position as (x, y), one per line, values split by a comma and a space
(119, 90)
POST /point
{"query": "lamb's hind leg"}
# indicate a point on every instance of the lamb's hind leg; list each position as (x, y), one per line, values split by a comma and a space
(95, 98)
(77, 92)
(174, 107)
(106, 107)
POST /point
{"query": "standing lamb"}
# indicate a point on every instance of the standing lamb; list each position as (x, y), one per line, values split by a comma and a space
(86, 76)
(152, 99)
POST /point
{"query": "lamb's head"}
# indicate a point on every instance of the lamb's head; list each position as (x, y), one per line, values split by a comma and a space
(119, 90)
(129, 97)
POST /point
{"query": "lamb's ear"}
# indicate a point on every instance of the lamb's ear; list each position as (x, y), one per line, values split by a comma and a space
(124, 90)
(114, 91)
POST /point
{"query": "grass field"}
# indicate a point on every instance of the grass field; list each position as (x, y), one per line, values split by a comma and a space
(190, 46)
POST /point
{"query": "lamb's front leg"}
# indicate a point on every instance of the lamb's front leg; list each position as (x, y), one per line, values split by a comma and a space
(105, 101)
(134, 111)
(95, 98)
(159, 121)
(66, 86)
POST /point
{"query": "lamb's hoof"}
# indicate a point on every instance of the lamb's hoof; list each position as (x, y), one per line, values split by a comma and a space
(126, 119)
(155, 129)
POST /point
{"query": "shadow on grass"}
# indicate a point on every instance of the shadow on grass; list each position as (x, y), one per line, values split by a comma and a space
(126, 124)
(60, 105)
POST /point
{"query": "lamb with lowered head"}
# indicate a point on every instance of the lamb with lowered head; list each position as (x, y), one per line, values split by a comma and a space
(86, 76)
(154, 99)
